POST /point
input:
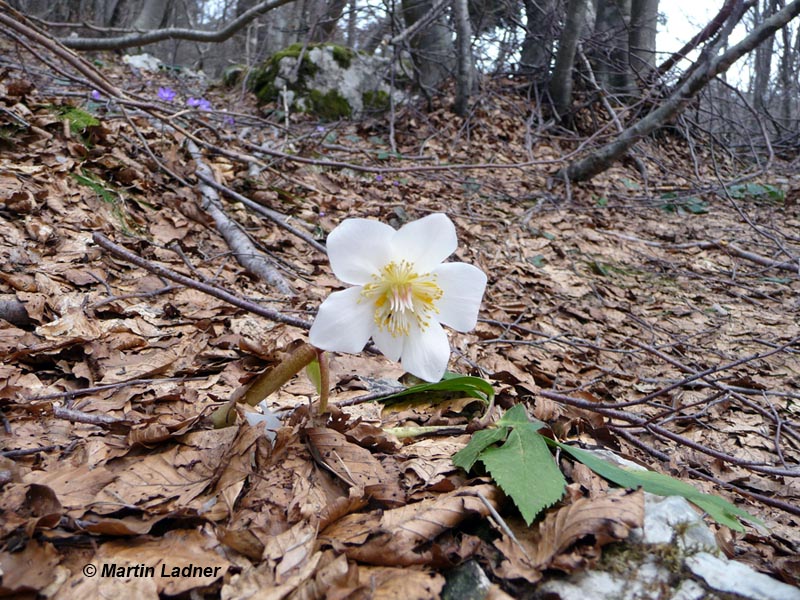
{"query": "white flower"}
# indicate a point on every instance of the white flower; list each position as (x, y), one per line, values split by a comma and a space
(402, 291)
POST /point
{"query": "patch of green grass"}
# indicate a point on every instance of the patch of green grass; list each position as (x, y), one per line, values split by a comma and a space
(79, 120)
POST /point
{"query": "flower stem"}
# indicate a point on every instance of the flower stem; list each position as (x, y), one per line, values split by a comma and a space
(270, 381)
(324, 381)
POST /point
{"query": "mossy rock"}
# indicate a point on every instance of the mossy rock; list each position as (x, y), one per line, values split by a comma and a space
(376, 100)
(262, 80)
(329, 81)
(329, 106)
(232, 75)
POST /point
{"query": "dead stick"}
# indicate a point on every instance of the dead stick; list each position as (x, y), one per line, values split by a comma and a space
(242, 246)
(126, 255)
(270, 214)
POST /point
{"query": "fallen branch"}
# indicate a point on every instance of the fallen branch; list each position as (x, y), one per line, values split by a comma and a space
(243, 248)
(126, 255)
(279, 219)
(173, 33)
(792, 266)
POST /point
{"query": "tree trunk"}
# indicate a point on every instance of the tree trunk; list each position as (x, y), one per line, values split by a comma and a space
(561, 81)
(537, 47)
(152, 16)
(763, 59)
(613, 67)
(325, 29)
(788, 84)
(464, 74)
(432, 47)
(642, 37)
(603, 158)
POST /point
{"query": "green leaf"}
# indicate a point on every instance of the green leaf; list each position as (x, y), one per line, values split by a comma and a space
(516, 416)
(480, 441)
(526, 471)
(313, 373)
(537, 261)
(474, 387)
(718, 508)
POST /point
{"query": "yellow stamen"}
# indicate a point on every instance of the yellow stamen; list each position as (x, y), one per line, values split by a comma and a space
(401, 295)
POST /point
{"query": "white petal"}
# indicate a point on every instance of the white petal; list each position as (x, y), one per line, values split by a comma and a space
(391, 346)
(358, 249)
(462, 290)
(343, 324)
(425, 242)
(426, 353)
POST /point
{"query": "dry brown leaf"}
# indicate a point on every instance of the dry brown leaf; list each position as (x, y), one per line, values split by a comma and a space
(353, 464)
(602, 519)
(402, 536)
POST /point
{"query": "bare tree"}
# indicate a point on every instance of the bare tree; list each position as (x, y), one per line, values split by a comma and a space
(561, 81)
(601, 159)
(642, 37)
(540, 34)
(432, 46)
(611, 56)
(464, 75)
(152, 15)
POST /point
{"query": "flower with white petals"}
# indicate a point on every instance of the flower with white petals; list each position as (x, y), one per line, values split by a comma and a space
(401, 292)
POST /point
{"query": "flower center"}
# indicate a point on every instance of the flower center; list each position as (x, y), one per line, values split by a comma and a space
(401, 295)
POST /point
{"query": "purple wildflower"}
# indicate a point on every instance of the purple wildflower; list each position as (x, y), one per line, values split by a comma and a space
(228, 121)
(166, 94)
(96, 95)
(200, 103)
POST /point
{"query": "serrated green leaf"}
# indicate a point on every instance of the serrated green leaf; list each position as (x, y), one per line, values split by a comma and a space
(718, 508)
(467, 456)
(526, 471)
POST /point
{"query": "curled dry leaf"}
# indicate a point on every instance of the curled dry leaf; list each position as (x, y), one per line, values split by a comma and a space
(404, 536)
(604, 519)
(354, 465)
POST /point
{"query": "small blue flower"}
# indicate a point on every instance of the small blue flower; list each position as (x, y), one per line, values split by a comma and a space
(166, 94)
(229, 121)
(200, 103)
(96, 95)
(320, 128)
(378, 177)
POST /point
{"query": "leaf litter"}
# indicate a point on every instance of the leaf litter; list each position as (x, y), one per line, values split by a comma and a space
(109, 373)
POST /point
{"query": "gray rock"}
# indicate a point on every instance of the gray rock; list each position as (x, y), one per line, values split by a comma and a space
(739, 579)
(466, 582)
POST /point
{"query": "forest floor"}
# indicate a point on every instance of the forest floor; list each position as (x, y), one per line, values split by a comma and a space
(657, 316)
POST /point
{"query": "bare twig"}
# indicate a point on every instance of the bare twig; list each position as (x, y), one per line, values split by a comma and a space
(216, 292)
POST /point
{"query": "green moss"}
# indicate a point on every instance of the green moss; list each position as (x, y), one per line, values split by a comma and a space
(79, 120)
(376, 100)
(343, 56)
(329, 106)
(262, 80)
